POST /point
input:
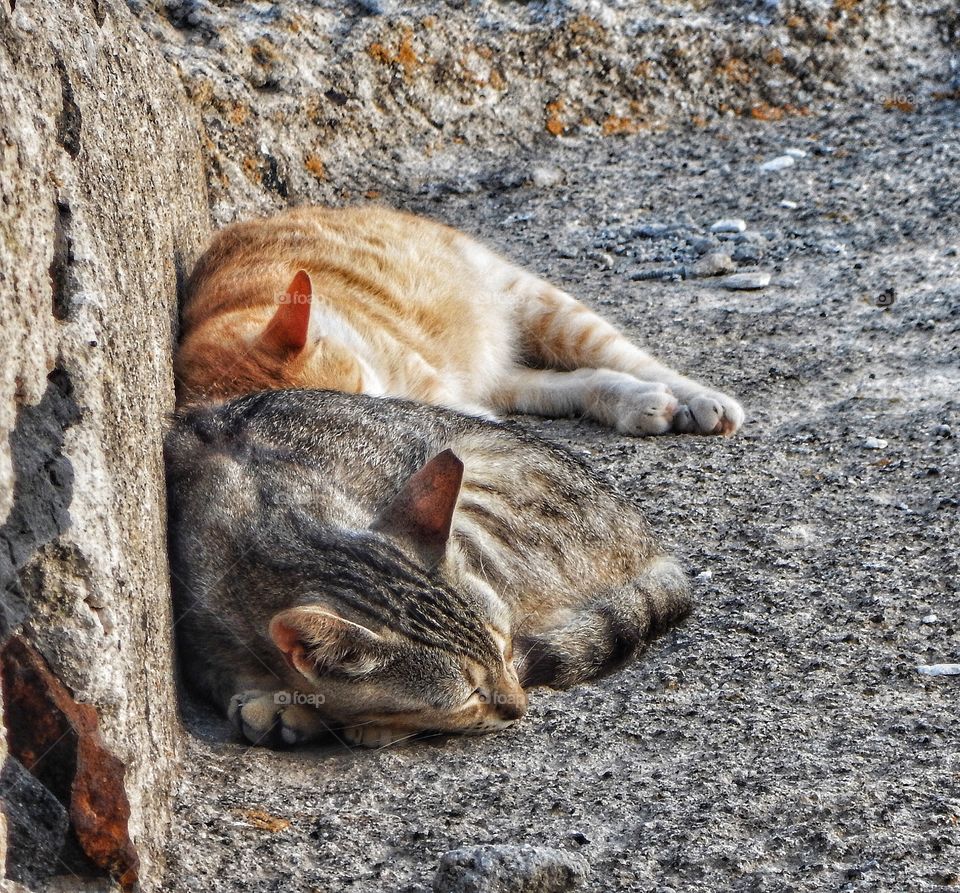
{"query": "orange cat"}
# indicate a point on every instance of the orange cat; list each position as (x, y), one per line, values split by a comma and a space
(381, 302)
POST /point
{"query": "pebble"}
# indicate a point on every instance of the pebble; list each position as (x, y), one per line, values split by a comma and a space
(748, 253)
(656, 230)
(795, 153)
(714, 264)
(504, 868)
(729, 225)
(745, 281)
(943, 431)
(702, 245)
(668, 273)
(874, 443)
(789, 205)
(781, 162)
(939, 670)
(929, 619)
(546, 177)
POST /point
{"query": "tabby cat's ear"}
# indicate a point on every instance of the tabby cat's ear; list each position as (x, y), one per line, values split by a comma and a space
(287, 331)
(422, 512)
(316, 640)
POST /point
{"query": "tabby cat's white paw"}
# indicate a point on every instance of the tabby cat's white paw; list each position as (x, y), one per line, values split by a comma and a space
(708, 413)
(269, 719)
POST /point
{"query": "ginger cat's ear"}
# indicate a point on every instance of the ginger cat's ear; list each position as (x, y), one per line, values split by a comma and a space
(290, 325)
(422, 512)
(317, 640)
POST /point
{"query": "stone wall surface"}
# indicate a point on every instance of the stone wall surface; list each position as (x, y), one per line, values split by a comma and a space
(102, 209)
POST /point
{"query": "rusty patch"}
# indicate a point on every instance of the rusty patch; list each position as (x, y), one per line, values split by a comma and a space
(58, 741)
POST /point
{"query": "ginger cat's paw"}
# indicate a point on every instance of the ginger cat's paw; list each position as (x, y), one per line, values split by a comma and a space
(269, 719)
(645, 411)
(708, 413)
(372, 735)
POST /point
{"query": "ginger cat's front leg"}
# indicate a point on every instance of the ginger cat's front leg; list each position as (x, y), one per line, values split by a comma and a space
(563, 334)
(614, 399)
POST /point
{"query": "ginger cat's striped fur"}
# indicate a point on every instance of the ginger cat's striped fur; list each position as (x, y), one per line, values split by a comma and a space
(370, 300)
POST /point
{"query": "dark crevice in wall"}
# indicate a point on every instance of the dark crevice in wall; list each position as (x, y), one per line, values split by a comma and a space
(42, 490)
(62, 284)
(99, 13)
(70, 121)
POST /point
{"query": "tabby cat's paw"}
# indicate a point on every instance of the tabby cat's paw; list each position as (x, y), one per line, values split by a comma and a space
(709, 413)
(269, 719)
(372, 735)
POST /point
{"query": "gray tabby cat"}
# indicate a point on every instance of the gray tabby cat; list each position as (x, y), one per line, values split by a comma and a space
(384, 568)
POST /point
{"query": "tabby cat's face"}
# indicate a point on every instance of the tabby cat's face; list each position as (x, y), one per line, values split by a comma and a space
(419, 689)
(413, 650)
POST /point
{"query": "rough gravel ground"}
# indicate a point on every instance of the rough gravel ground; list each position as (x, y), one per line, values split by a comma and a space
(782, 738)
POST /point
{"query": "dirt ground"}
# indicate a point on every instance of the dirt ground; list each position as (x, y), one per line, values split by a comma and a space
(782, 738)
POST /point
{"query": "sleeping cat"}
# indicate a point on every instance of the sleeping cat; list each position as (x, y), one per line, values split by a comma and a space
(382, 567)
(369, 300)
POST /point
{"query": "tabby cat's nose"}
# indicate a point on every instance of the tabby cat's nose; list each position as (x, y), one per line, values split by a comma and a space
(513, 706)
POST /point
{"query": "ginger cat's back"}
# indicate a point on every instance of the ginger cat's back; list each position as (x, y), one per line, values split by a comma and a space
(371, 300)
(396, 302)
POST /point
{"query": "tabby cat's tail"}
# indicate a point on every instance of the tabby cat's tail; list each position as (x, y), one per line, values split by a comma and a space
(606, 632)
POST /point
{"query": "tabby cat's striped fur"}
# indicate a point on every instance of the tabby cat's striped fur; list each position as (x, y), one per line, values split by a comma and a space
(385, 567)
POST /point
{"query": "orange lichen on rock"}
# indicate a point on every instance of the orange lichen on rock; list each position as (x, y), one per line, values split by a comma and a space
(555, 124)
(899, 104)
(238, 114)
(736, 70)
(251, 167)
(405, 56)
(774, 57)
(617, 124)
(315, 165)
(763, 111)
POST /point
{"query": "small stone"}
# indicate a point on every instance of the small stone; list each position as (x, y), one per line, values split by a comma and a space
(943, 431)
(939, 670)
(503, 868)
(795, 153)
(604, 259)
(748, 253)
(702, 245)
(789, 205)
(729, 225)
(675, 273)
(929, 619)
(655, 230)
(781, 162)
(546, 177)
(874, 443)
(714, 264)
(705, 576)
(745, 281)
